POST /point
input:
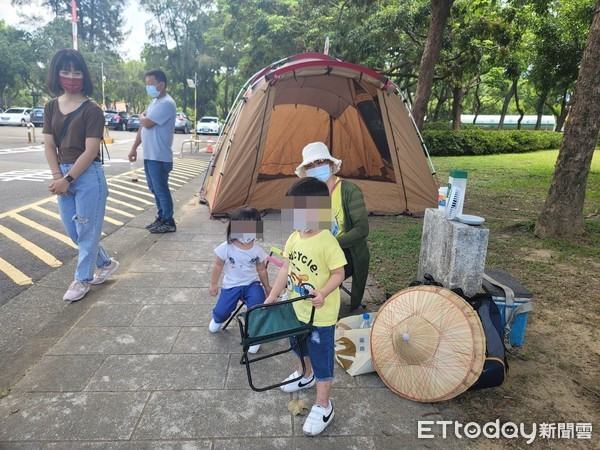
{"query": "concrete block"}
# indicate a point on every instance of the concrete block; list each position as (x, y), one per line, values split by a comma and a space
(452, 252)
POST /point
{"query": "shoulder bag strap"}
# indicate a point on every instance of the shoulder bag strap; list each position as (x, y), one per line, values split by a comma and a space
(510, 312)
(70, 118)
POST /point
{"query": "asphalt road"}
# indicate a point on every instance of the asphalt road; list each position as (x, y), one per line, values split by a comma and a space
(32, 239)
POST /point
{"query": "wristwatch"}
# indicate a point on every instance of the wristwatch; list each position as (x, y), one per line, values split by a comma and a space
(69, 178)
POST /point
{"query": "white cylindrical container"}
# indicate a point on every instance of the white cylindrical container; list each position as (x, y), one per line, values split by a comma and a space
(458, 178)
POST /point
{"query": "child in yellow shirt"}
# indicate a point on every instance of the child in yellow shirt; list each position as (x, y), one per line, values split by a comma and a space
(315, 266)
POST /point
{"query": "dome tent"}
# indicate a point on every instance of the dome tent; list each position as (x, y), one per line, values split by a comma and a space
(312, 97)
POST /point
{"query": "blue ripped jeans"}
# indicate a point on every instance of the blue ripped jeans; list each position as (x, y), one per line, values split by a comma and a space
(82, 214)
(319, 346)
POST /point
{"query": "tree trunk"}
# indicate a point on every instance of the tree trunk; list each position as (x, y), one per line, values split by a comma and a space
(507, 99)
(441, 101)
(562, 214)
(565, 107)
(458, 96)
(440, 10)
(540, 109)
(519, 109)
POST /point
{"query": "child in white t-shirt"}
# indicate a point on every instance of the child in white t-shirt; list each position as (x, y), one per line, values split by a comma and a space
(243, 263)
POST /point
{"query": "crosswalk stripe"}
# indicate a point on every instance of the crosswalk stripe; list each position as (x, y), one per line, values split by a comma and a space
(122, 194)
(30, 247)
(30, 223)
(45, 211)
(120, 187)
(120, 211)
(14, 274)
(128, 205)
(113, 221)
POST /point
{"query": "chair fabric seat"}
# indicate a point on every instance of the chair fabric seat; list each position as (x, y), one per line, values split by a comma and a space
(271, 324)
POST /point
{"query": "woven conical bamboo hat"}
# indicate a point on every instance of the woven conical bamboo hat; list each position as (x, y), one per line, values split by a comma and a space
(427, 344)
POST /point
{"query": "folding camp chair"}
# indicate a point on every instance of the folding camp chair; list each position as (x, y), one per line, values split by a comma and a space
(270, 259)
(271, 322)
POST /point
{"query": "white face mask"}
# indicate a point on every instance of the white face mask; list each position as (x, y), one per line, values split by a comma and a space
(321, 173)
(244, 238)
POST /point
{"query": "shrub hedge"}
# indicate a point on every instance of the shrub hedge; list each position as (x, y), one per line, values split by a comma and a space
(475, 141)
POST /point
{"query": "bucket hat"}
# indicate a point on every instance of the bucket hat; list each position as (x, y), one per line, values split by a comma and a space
(428, 344)
(316, 151)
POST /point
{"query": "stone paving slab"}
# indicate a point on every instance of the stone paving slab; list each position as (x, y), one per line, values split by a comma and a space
(211, 414)
(183, 280)
(151, 295)
(200, 340)
(173, 315)
(110, 315)
(116, 341)
(160, 372)
(300, 443)
(135, 279)
(136, 445)
(60, 374)
(70, 416)
(156, 265)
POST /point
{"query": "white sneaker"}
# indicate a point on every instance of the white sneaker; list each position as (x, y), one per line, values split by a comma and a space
(214, 327)
(254, 348)
(318, 419)
(76, 291)
(101, 273)
(302, 383)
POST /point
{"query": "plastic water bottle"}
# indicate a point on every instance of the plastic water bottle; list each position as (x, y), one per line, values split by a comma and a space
(132, 168)
(366, 322)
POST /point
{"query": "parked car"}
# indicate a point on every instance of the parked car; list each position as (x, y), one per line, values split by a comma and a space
(182, 123)
(117, 120)
(15, 116)
(208, 125)
(37, 117)
(133, 124)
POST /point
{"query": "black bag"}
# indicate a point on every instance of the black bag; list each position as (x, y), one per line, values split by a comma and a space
(495, 366)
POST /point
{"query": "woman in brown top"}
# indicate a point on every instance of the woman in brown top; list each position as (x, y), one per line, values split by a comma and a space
(73, 128)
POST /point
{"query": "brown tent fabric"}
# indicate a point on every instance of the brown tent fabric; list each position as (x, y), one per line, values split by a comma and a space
(312, 97)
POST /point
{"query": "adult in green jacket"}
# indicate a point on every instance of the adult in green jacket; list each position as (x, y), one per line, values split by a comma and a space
(351, 225)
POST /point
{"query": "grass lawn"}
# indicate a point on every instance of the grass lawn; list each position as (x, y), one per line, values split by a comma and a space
(509, 192)
(555, 376)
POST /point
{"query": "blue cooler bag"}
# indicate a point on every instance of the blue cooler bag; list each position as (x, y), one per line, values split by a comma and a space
(514, 303)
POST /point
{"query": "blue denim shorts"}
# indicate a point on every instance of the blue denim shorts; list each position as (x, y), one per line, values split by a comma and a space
(319, 346)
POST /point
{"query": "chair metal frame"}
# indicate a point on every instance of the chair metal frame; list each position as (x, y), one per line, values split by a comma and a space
(301, 332)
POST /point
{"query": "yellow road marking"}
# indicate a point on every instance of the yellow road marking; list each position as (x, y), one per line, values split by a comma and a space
(124, 188)
(113, 221)
(122, 194)
(30, 247)
(43, 229)
(119, 211)
(121, 187)
(129, 205)
(45, 211)
(14, 274)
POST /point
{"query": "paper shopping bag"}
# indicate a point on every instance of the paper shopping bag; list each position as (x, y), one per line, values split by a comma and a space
(353, 345)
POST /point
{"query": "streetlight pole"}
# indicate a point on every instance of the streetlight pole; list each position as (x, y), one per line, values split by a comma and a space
(103, 80)
(194, 84)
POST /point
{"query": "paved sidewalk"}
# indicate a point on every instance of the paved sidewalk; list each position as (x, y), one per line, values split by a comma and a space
(133, 365)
